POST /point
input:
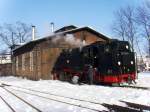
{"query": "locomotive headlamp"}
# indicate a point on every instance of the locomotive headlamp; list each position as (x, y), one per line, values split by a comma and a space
(131, 62)
(119, 63)
(128, 69)
(127, 47)
(68, 61)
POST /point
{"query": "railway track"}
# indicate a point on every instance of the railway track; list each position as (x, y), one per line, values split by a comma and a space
(132, 107)
(5, 86)
(78, 104)
(51, 94)
(21, 99)
(135, 87)
(36, 93)
(9, 106)
(137, 106)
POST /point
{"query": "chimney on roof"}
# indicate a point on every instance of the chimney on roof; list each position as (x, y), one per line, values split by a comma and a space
(33, 32)
(52, 27)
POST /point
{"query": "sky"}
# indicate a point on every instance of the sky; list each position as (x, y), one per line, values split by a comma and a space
(98, 14)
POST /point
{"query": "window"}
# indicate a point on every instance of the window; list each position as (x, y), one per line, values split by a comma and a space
(85, 53)
(23, 61)
(90, 50)
(95, 51)
(16, 63)
(31, 61)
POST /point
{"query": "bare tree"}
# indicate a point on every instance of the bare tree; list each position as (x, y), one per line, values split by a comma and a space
(119, 25)
(125, 25)
(143, 19)
(12, 34)
(23, 32)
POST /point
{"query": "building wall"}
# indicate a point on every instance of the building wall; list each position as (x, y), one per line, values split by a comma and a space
(87, 36)
(6, 69)
(37, 61)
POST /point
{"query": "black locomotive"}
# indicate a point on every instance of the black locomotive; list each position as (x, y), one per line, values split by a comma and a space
(112, 62)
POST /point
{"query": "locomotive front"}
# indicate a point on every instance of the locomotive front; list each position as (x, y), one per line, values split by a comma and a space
(121, 67)
(125, 59)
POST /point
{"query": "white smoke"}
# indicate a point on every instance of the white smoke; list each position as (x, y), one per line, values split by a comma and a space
(57, 38)
(70, 39)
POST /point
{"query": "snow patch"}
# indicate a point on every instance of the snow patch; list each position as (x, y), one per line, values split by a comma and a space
(94, 93)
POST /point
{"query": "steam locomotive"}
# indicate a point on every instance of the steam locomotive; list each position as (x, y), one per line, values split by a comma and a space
(112, 62)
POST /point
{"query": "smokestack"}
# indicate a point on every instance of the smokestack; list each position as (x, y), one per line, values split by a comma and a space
(52, 27)
(33, 32)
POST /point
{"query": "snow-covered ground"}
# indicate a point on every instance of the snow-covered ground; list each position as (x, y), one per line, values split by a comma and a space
(55, 103)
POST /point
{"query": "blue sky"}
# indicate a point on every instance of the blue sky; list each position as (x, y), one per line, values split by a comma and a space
(95, 13)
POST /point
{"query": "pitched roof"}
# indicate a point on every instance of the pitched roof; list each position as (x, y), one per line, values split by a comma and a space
(65, 28)
(66, 32)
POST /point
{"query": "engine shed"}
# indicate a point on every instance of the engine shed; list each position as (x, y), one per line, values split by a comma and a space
(36, 59)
